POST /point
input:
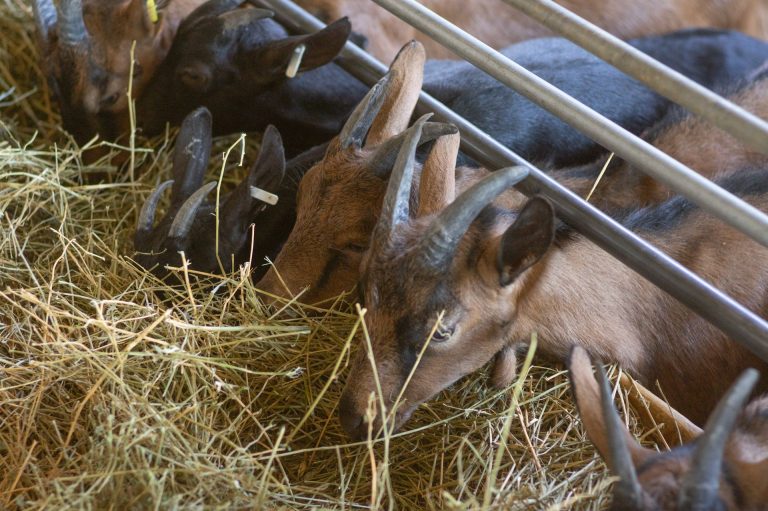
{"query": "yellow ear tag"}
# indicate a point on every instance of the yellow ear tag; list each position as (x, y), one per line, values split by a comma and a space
(152, 9)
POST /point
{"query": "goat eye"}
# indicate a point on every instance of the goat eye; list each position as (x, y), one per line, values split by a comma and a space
(350, 249)
(443, 333)
(110, 100)
(355, 247)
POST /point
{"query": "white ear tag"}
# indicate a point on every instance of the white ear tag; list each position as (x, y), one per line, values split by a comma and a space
(264, 196)
(293, 65)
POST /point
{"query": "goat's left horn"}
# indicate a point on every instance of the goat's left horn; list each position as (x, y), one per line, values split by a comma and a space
(395, 209)
(148, 210)
(446, 230)
(360, 120)
(701, 483)
(383, 159)
(185, 218)
(72, 27)
(627, 489)
(45, 17)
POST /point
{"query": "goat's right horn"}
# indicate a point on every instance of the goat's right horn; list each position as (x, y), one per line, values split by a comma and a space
(148, 210)
(627, 489)
(185, 218)
(72, 26)
(701, 483)
(446, 230)
(360, 120)
(395, 209)
(45, 17)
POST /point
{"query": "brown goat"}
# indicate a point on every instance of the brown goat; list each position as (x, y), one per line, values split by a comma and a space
(87, 55)
(484, 278)
(332, 229)
(499, 25)
(724, 469)
(694, 142)
(339, 199)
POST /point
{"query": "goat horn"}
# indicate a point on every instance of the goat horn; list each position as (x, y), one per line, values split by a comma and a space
(191, 154)
(384, 158)
(45, 17)
(627, 489)
(448, 228)
(395, 209)
(700, 485)
(235, 20)
(185, 218)
(148, 210)
(72, 28)
(360, 120)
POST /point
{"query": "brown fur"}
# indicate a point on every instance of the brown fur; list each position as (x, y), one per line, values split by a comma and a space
(332, 229)
(743, 484)
(114, 25)
(694, 142)
(500, 25)
(575, 294)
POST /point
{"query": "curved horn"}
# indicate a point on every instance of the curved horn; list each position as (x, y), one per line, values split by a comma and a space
(627, 490)
(395, 209)
(191, 154)
(701, 483)
(72, 26)
(210, 9)
(45, 17)
(148, 210)
(185, 218)
(383, 159)
(447, 229)
(356, 128)
(234, 20)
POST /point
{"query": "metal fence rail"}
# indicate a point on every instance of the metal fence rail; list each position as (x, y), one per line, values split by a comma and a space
(743, 125)
(646, 157)
(719, 309)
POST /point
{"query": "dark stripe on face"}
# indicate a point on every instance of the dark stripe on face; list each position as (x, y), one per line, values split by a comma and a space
(732, 484)
(330, 266)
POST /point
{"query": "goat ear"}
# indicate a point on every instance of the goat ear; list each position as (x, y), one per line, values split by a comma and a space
(526, 240)
(135, 12)
(437, 188)
(588, 401)
(320, 48)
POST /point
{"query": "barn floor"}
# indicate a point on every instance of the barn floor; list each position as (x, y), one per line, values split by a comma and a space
(113, 396)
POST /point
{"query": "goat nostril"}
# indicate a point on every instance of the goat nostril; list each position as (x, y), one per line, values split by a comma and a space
(110, 100)
(351, 421)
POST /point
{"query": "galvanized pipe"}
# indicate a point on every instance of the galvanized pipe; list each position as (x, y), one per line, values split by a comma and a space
(733, 119)
(647, 158)
(719, 309)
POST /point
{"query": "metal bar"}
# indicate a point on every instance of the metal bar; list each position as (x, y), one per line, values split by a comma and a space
(647, 158)
(743, 125)
(719, 309)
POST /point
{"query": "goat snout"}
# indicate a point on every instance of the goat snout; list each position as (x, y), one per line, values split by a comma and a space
(352, 418)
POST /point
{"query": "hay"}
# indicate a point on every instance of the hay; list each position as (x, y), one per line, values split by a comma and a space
(112, 397)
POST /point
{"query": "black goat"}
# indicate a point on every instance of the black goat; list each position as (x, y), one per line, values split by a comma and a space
(190, 223)
(233, 61)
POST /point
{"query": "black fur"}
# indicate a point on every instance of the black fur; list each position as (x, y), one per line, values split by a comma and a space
(312, 107)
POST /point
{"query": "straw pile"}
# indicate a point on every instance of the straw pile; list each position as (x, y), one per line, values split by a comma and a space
(115, 396)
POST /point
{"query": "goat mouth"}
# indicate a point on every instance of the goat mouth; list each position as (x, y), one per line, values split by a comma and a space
(360, 430)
